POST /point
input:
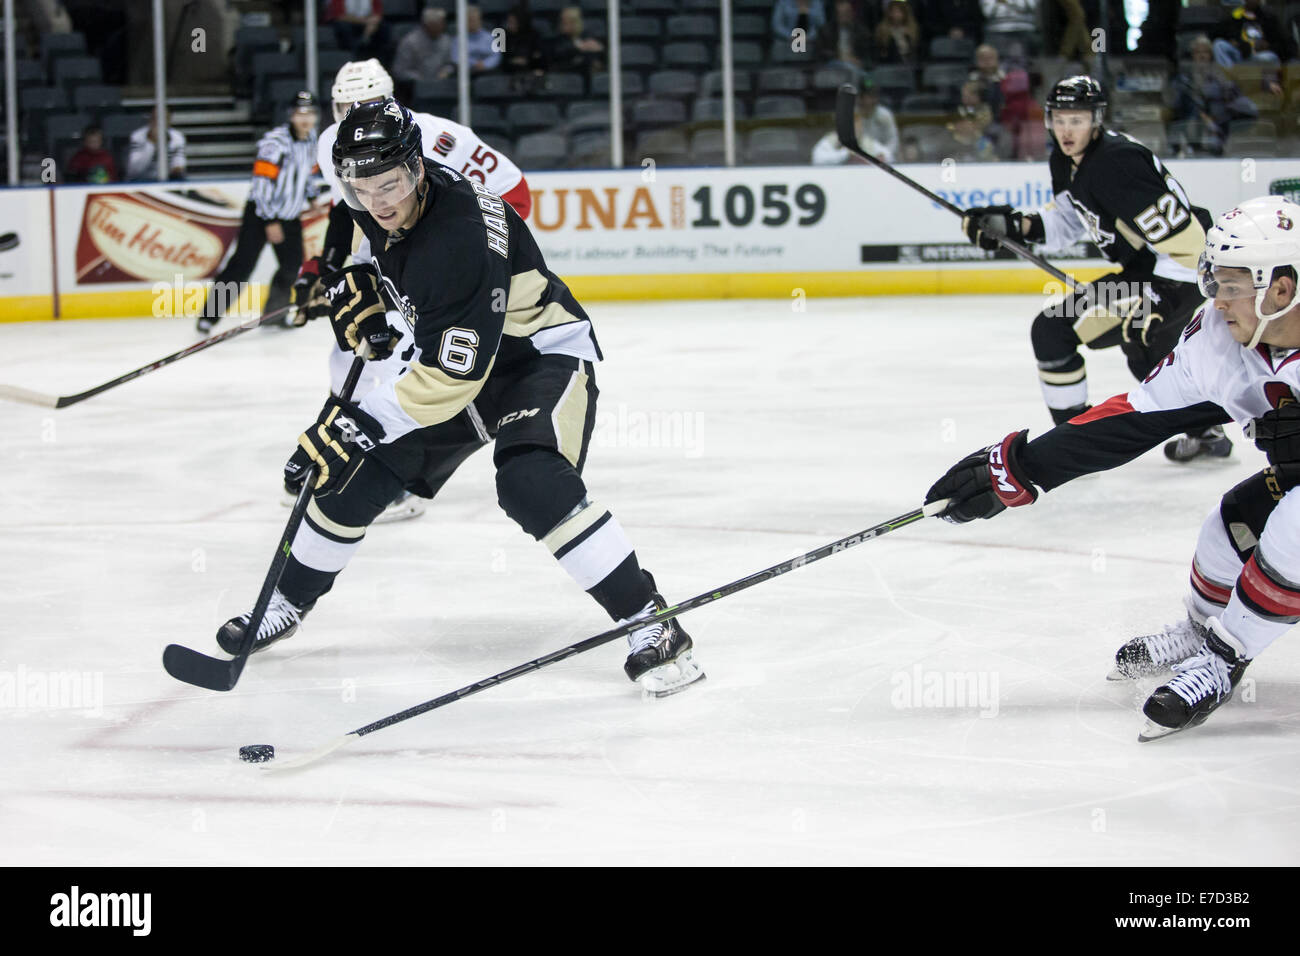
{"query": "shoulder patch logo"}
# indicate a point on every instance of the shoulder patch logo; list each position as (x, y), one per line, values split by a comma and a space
(444, 144)
(1283, 220)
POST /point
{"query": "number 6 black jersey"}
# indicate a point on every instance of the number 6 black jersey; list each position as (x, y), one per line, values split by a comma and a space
(1121, 198)
(471, 281)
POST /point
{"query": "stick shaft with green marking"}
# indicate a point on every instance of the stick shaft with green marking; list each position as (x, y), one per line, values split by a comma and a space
(708, 597)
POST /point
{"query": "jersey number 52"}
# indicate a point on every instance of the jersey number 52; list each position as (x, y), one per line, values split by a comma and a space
(1162, 217)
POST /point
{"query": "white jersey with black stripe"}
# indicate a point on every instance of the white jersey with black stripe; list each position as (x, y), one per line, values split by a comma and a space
(284, 174)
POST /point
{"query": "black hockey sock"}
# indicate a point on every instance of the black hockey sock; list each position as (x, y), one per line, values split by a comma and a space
(623, 592)
(303, 586)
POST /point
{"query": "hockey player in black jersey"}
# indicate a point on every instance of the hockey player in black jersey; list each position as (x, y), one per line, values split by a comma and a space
(1114, 192)
(502, 352)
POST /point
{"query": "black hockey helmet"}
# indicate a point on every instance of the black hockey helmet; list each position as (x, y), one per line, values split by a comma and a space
(304, 100)
(374, 139)
(1076, 93)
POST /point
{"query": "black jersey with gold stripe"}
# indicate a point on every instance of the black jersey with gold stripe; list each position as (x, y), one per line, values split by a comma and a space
(471, 281)
(1121, 198)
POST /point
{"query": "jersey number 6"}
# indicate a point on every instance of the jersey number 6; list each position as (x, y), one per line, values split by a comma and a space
(458, 350)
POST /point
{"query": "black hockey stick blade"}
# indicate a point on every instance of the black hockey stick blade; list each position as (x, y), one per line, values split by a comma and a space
(708, 597)
(30, 397)
(846, 103)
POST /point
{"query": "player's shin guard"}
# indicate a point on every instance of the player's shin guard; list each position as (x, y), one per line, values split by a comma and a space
(546, 496)
(320, 550)
(1061, 370)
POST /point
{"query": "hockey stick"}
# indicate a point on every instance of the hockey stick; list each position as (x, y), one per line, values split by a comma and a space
(708, 597)
(14, 393)
(188, 665)
(844, 107)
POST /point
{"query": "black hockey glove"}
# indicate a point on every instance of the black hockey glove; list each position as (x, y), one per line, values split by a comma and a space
(358, 311)
(336, 441)
(305, 296)
(295, 470)
(1277, 434)
(983, 226)
(985, 482)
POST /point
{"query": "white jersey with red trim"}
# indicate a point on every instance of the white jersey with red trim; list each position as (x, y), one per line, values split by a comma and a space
(451, 145)
(1209, 365)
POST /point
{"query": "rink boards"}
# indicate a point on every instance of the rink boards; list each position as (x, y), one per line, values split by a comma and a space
(797, 232)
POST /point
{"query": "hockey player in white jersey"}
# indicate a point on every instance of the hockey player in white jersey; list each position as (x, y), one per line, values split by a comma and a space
(445, 142)
(1238, 359)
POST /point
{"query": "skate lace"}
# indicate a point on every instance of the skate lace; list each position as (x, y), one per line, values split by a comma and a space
(645, 637)
(280, 614)
(1174, 643)
(1201, 676)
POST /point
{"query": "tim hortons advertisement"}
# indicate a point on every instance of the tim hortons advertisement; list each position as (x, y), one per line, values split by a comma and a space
(142, 243)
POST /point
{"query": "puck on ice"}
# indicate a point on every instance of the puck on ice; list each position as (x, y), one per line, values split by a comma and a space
(257, 753)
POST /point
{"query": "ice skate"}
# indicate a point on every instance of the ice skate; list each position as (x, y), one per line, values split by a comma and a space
(281, 621)
(1211, 443)
(660, 655)
(1152, 653)
(1201, 684)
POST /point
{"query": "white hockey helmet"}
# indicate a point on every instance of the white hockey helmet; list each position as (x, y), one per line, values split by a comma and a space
(1261, 235)
(359, 81)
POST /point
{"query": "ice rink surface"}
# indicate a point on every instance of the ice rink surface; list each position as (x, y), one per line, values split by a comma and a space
(936, 696)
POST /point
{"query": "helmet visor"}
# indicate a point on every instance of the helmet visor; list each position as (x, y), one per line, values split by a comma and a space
(379, 193)
(1224, 282)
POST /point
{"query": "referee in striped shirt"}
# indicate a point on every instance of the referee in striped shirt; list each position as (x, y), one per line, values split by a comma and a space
(285, 179)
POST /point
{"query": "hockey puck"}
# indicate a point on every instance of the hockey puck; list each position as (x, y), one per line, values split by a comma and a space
(257, 753)
(8, 241)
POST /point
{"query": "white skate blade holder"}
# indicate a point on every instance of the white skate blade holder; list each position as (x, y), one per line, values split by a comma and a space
(673, 677)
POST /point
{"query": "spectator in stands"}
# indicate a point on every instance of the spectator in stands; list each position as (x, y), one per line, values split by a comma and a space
(1252, 34)
(910, 151)
(524, 52)
(1021, 119)
(424, 55)
(1205, 102)
(956, 19)
(877, 131)
(898, 37)
(970, 138)
(790, 15)
(483, 55)
(92, 163)
(571, 49)
(846, 41)
(142, 151)
(988, 75)
(1012, 19)
(359, 27)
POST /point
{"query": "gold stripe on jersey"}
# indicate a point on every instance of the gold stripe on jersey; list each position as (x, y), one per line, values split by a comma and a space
(571, 527)
(1184, 247)
(1094, 323)
(1062, 378)
(524, 318)
(431, 396)
(333, 527)
(570, 418)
